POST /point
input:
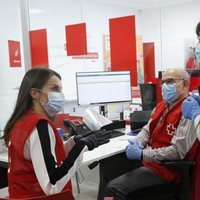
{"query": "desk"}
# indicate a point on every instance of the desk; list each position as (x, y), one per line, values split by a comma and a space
(115, 146)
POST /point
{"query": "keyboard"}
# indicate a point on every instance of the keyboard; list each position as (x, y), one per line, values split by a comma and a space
(115, 133)
(111, 133)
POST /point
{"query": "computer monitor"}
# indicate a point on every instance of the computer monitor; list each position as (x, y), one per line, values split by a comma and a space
(101, 87)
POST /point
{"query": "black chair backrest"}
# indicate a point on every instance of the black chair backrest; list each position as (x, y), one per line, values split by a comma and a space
(139, 119)
(148, 96)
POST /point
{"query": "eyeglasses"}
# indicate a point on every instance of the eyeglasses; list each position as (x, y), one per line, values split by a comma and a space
(170, 81)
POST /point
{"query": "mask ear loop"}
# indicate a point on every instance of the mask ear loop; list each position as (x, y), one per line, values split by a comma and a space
(182, 91)
(37, 98)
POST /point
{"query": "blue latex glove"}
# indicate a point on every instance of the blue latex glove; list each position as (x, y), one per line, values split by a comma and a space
(134, 151)
(197, 98)
(190, 108)
(132, 141)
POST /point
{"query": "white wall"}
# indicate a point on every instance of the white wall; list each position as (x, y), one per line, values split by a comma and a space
(10, 77)
(65, 12)
(174, 35)
(176, 30)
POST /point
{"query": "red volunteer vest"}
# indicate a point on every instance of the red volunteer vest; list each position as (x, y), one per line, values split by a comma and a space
(162, 129)
(22, 180)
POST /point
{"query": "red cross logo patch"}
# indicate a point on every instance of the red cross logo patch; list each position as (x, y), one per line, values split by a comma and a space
(170, 129)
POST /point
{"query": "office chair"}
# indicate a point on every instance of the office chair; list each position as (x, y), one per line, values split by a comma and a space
(148, 96)
(188, 189)
(65, 195)
(139, 119)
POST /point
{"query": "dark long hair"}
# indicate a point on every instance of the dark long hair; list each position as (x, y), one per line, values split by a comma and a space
(198, 29)
(34, 78)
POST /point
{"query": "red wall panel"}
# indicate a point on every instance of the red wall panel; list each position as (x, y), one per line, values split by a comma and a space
(149, 61)
(39, 48)
(76, 41)
(194, 83)
(123, 45)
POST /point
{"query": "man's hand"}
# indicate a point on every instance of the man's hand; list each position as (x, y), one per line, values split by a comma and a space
(191, 107)
(92, 140)
(134, 150)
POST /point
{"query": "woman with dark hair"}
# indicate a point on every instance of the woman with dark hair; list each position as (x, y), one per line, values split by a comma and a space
(38, 164)
(198, 29)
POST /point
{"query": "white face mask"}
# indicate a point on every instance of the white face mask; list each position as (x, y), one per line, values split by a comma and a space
(55, 103)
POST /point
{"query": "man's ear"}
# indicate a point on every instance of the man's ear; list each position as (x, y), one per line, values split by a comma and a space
(34, 94)
(186, 83)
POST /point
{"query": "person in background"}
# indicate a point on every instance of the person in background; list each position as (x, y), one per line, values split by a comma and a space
(197, 48)
(38, 161)
(191, 110)
(167, 136)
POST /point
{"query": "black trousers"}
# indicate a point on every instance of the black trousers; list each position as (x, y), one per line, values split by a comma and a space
(120, 177)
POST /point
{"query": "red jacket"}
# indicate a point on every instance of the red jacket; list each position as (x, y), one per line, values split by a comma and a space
(161, 136)
(22, 180)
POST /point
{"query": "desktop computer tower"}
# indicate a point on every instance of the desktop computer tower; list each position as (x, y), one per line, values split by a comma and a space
(148, 96)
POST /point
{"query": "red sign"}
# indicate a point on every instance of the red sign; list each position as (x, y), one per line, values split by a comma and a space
(76, 39)
(39, 48)
(123, 45)
(91, 55)
(14, 53)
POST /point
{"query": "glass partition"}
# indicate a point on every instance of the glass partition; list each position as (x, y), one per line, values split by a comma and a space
(166, 26)
(54, 16)
(11, 57)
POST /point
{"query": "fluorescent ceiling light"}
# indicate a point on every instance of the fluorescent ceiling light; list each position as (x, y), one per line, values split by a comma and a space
(37, 11)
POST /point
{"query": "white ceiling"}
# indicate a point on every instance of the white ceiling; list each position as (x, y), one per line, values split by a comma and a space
(144, 4)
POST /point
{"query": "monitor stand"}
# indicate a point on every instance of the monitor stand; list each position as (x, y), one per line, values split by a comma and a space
(102, 110)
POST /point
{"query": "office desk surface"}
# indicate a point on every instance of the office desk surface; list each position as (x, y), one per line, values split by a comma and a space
(115, 146)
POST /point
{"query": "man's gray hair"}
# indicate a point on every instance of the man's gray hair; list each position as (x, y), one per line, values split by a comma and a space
(180, 72)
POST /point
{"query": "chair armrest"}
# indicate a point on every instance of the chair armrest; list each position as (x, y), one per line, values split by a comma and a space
(179, 163)
(185, 167)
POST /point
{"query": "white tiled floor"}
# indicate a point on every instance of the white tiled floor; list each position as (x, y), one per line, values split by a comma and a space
(88, 191)
(4, 192)
(89, 185)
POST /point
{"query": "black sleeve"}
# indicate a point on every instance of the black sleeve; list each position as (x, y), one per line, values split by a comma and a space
(55, 172)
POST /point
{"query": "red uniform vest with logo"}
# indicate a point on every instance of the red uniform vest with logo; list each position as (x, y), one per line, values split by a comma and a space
(21, 177)
(162, 129)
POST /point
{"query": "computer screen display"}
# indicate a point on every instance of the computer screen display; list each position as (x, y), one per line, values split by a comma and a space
(103, 87)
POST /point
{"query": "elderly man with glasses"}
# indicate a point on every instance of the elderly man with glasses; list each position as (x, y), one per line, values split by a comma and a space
(167, 136)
